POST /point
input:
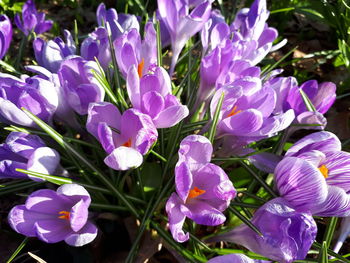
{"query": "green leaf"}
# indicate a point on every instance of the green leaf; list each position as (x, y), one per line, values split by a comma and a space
(245, 220)
(151, 176)
(322, 257)
(50, 178)
(307, 101)
(19, 248)
(214, 123)
(331, 226)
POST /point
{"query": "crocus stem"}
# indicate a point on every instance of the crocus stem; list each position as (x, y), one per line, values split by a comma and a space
(22, 45)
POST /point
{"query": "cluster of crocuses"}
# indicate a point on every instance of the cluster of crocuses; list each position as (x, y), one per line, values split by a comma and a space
(249, 104)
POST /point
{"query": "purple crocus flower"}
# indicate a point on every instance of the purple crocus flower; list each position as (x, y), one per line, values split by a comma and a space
(54, 216)
(151, 94)
(63, 112)
(5, 34)
(51, 54)
(118, 23)
(131, 51)
(322, 96)
(314, 176)
(287, 233)
(79, 84)
(32, 20)
(214, 31)
(35, 94)
(182, 24)
(203, 190)
(29, 152)
(96, 45)
(234, 258)
(125, 137)
(247, 118)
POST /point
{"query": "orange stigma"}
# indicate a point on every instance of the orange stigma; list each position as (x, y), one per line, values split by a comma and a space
(233, 112)
(195, 192)
(140, 67)
(324, 171)
(64, 215)
(128, 143)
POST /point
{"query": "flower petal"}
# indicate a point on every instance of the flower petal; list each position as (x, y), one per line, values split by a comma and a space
(202, 213)
(300, 183)
(124, 158)
(176, 218)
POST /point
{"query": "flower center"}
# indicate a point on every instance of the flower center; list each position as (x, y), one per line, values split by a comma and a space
(64, 215)
(195, 192)
(324, 171)
(127, 143)
(234, 111)
(140, 67)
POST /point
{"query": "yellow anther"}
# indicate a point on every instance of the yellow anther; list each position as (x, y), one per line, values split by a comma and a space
(64, 215)
(233, 112)
(140, 67)
(324, 171)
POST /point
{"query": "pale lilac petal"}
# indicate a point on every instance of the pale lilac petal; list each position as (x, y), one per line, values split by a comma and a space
(171, 116)
(242, 123)
(133, 87)
(87, 234)
(195, 149)
(183, 180)
(322, 141)
(337, 203)
(44, 160)
(338, 165)
(176, 218)
(102, 112)
(300, 183)
(231, 258)
(124, 158)
(202, 213)
(152, 104)
(52, 231)
(79, 215)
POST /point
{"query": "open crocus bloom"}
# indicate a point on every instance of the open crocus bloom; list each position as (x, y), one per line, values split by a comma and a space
(5, 34)
(130, 50)
(124, 137)
(28, 152)
(287, 234)
(32, 20)
(35, 94)
(203, 190)
(181, 23)
(151, 94)
(314, 176)
(247, 118)
(54, 216)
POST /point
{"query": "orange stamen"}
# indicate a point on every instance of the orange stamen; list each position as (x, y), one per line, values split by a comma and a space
(140, 67)
(64, 215)
(324, 170)
(233, 112)
(195, 192)
(127, 144)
